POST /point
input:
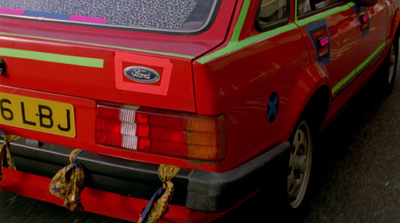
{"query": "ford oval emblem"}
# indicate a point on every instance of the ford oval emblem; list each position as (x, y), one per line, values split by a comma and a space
(142, 74)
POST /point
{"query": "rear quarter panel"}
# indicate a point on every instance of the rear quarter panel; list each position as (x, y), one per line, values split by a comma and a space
(240, 83)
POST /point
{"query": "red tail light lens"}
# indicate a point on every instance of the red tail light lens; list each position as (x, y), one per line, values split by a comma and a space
(173, 134)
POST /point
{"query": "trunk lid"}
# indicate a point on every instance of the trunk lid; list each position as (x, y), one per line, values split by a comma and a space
(138, 67)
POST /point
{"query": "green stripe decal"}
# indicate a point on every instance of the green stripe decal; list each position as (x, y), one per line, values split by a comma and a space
(98, 45)
(51, 57)
(355, 71)
(241, 19)
(325, 14)
(235, 44)
(232, 45)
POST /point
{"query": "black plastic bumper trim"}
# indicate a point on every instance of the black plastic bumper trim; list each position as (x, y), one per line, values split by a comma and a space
(214, 192)
(116, 175)
(196, 189)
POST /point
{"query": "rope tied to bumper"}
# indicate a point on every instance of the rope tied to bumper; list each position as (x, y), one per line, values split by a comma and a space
(154, 211)
(5, 151)
(68, 183)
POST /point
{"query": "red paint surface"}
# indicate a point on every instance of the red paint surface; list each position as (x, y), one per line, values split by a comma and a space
(237, 85)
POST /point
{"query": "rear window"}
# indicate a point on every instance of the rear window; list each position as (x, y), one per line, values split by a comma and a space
(168, 15)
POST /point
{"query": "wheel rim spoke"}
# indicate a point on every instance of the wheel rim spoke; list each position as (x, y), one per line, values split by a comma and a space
(294, 189)
(301, 164)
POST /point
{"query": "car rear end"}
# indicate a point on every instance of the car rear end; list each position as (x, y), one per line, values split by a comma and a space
(117, 82)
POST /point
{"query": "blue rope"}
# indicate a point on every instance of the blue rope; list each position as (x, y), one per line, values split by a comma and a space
(76, 157)
(147, 209)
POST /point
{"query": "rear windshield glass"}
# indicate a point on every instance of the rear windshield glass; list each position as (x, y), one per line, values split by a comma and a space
(170, 15)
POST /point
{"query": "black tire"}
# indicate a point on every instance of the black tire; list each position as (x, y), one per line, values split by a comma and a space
(388, 70)
(299, 165)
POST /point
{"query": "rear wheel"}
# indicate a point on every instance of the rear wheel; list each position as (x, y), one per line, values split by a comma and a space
(388, 69)
(299, 168)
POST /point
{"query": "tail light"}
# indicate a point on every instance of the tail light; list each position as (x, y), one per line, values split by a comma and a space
(174, 134)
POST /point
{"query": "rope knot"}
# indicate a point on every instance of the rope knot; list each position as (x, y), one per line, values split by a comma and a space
(5, 151)
(68, 182)
(154, 211)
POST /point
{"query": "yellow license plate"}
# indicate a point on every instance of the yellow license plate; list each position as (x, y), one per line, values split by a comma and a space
(37, 114)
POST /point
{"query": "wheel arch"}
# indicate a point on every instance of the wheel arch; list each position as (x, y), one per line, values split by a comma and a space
(312, 114)
(311, 98)
(317, 107)
(396, 25)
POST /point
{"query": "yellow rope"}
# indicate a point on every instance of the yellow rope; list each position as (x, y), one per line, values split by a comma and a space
(160, 208)
(68, 184)
(5, 150)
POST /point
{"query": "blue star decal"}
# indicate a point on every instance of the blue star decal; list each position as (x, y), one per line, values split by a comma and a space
(272, 109)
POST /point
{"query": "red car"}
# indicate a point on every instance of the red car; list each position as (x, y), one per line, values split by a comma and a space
(218, 89)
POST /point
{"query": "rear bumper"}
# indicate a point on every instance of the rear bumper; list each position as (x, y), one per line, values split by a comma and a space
(194, 189)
